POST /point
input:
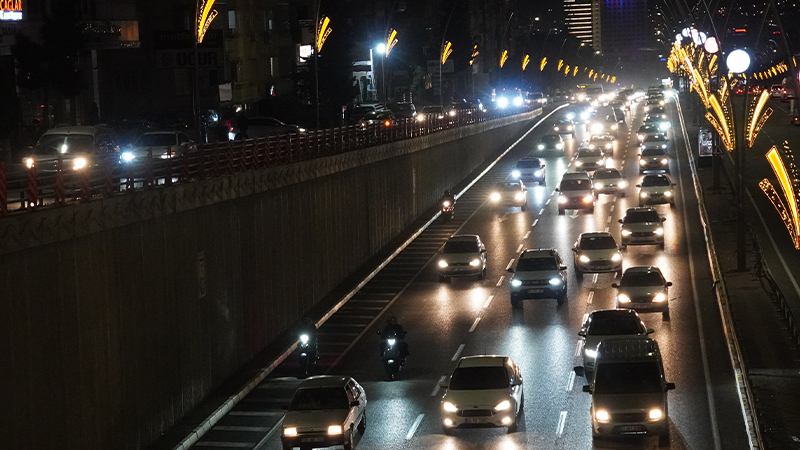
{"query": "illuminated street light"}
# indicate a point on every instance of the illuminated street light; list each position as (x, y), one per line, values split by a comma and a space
(381, 48)
(738, 61)
(711, 45)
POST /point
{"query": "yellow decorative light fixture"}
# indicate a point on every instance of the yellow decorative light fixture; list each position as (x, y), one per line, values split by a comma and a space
(503, 58)
(542, 64)
(323, 31)
(525, 61)
(205, 18)
(391, 41)
(757, 119)
(447, 50)
(789, 185)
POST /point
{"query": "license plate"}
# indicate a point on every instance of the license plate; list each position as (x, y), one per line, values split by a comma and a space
(313, 439)
(476, 420)
(602, 266)
(642, 305)
(630, 428)
(535, 291)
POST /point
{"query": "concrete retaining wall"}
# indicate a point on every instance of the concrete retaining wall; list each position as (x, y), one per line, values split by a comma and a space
(117, 317)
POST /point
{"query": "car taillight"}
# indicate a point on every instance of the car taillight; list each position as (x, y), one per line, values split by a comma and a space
(387, 123)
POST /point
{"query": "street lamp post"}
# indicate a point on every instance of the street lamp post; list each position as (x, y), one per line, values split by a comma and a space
(381, 48)
(441, 59)
(738, 62)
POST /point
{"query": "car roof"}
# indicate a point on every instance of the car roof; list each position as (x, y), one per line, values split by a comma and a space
(323, 381)
(463, 238)
(626, 349)
(575, 175)
(608, 170)
(509, 183)
(640, 209)
(650, 176)
(483, 361)
(642, 269)
(588, 234)
(77, 130)
(613, 313)
(538, 253)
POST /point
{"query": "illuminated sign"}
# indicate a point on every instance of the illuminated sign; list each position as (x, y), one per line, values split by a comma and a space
(10, 9)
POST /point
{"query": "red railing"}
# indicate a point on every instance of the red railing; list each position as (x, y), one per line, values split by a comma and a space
(31, 189)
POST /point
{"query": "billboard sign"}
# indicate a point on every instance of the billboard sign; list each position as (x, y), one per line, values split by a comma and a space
(11, 10)
(705, 142)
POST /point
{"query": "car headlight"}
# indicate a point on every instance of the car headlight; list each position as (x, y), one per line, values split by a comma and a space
(597, 128)
(335, 429)
(449, 407)
(660, 297)
(591, 146)
(516, 283)
(646, 108)
(502, 406)
(556, 281)
(555, 128)
(443, 263)
(661, 102)
(30, 163)
(502, 102)
(600, 162)
(128, 156)
(655, 414)
(569, 128)
(622, 298)
(562, 199)
(642, 162)
(614, 126)
(290, 431)
(583, 259)
(475, 262)
(664, 161)
(452, 112)
(494, 196)
(616, 257)
(540, 146)
(570, 116)
(578, 163)
(584, 115)
(667, 193)
(658, 231)
(420, 118)
(640, 136)
(515, 173)
(663, 126)
(643, 194)
(622, 184)
(598, 186)
(517, 101)
(626, 232)
(538, 173)
(608, 146)
(601, 415)
(79, 163)
(304, 339)
(590, 353)
(519, 196)
(559, 145)
(588, 199)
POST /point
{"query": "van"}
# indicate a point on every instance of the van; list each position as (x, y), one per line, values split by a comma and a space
(629, 390)
(78, 147)
(575, 192)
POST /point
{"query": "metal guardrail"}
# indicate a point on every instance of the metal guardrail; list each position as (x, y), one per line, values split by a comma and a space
(25, 189)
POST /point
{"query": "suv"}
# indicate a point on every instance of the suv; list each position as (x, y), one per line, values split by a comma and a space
(596, 252)
(606, 324)
(529, 168)
(78, 146)
(575, 192)
(644, 289)
(539, 273)
(404, 111)
(326, 410)
(629, 390)
(656, 189)
(484, 390)
(462, 256)
(641, 226)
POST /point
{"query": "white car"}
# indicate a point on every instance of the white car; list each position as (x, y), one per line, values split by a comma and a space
(608, 324)
(653, 159)
(641, 226)
(609, 181)
(159, 144)
(326, 410)
(603, 142)
(483, 391)
(590, 159)
(644, 289)
(656, 189)
(462, 256)
(596, 252)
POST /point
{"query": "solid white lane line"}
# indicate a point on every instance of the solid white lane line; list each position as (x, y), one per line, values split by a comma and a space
(578, 346)
(436, 388)
(519, 249)
(458, 352)
(526, 235)
(562, 420)
(488, 301)
(534, 223)
(508, 266)
(590, 297)
(571, 380)
(414, 426)
(500, 281)
(474, 325)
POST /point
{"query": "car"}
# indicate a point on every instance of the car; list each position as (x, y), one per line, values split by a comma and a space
(463, 255)
(565, 127)
(404, 111)
(539, 273)
(604, 142)
(629, 390)
(326, 410)
(575, 192)
(530, 168)
(260, 127)
(657, 112)
(157, 144)
(647, 130)
(354, 113)
(431, 112)
(589, 159)
(643, 289)
(509, 193)
(596, 252)
(609, 181)
(608, 324)
(550, 142)
(463, 108)
(641, 226)
(776, 91)
(378, 118)
(788, 94)
(483, 391)
(654, 159)
(796, 119)
(656, 189)
(78, 147)
(603, 124)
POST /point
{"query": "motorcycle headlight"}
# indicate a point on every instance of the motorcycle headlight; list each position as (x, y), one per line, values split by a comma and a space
(667, 193)
(519, 196)
(664, 161)
(588, 199)
(502, 406)
(30, 163)
(304, 339)
(79, 163)
(538, 173)
(598, 186)
(556, 281)
(515, 173)
(626, 232)
(449, 407)
(617, 257)
(290, 431)
(601, 415)
(516, 283)
(442, 263)
(623, 184)
(475, 262)
(643, 194)
(655, 414)
(335, 429)
(495, 197)
(622, 298)
(128, 156)
(659, 298)
(390, 342)
(590, 353)
(584, 259)
(658, 231)
(562, 199)
(642, 162)
(446, 204)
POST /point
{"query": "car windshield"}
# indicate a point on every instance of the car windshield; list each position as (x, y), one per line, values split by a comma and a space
(656, 138)
(600, 138)
(607, 174)
(564, 122)
(655, 181)
(527, 164)
(432, 109)
(460, 247)
(550, 138)
(586, 153)
(155, 140)
(627, 378)
(645, 128)
(314, 399)
(372, 115)
(610, 326)
(575, 185)
(404, 107)
(597, 242)
(509, 187)
(360, 110)
(641, 279)
(653, 152)
(642, 216)
(536, 264)
(479, 378)
(54, 144)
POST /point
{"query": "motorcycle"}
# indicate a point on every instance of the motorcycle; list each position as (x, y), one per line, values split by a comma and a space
(308, 354)
(393, 354)
(448, 209)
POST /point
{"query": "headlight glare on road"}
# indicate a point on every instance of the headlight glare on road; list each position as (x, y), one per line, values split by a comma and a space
(475, 262)
(517, 101)
(626, 232)
(443, 263)
(588, 199)
(555, 128)
(516, 283)
(449, 407)
(335, 429)
(659, 298)
(420, 118)
(555, 281)
(655, 414)
(590, 353)
(583, 259)
(617, 257)
(658, 232)
(602, 416)
(290, 431)
(79, 163)
(494, 196)
(502, 406)
(622, 298)
(516, 173)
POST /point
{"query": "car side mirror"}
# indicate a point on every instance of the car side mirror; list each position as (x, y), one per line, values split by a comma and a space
(510, 270)
(579, 371)
(582, 333)
(669, 283)
(619, 220)
(587, 389)
(615, 285)
(354, 403)
(574, 250)
(517, 382)
(562, 267)
(638, 185)
(669, 386)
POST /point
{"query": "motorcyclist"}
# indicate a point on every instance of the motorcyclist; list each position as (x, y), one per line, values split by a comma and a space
(448, 196)
(309, 328)
(396, 331)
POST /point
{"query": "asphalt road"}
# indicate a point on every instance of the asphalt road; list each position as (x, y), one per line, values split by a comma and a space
(469, 317)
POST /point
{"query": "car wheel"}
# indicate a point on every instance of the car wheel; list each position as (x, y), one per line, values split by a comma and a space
(447, 431)
(362, 426)
(665, 316)
(348, 441)
(560, 211)
(663, 439)
(444, 279)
